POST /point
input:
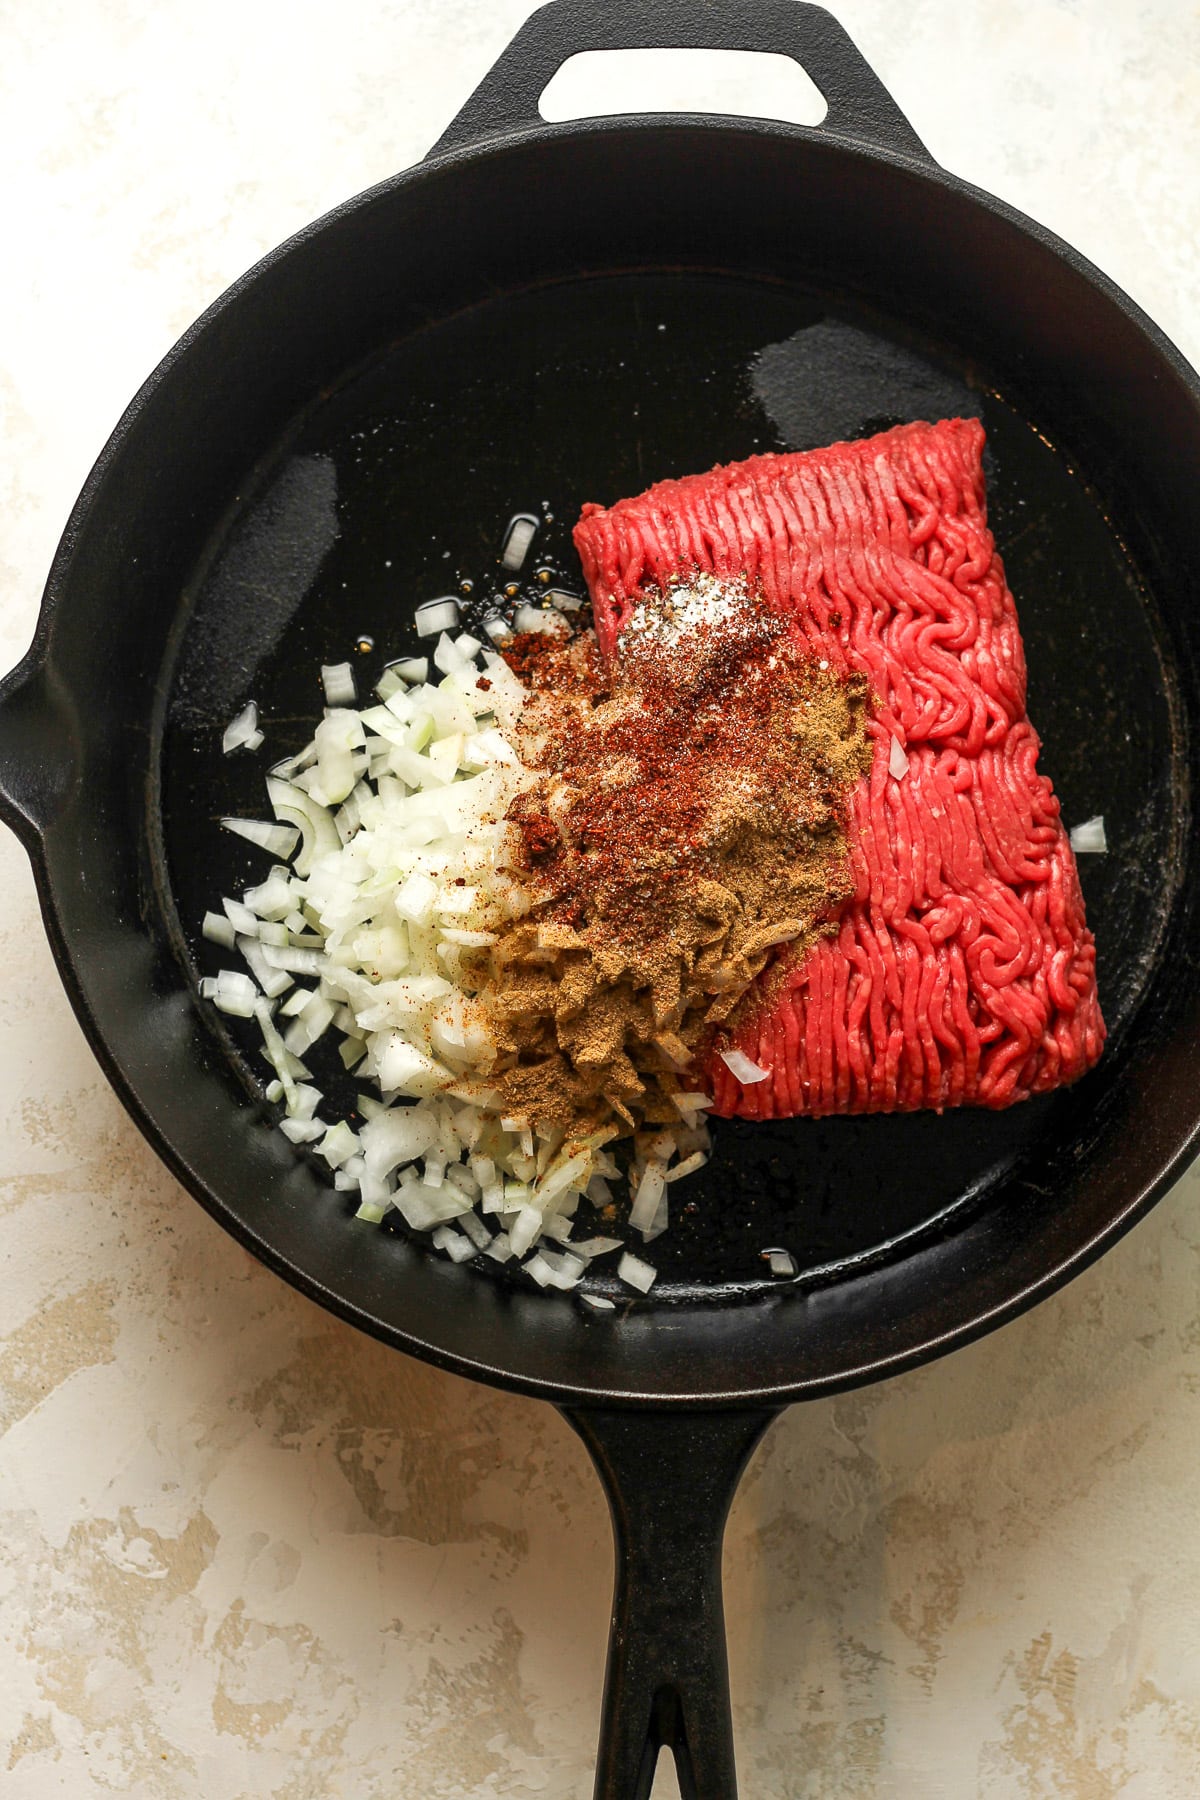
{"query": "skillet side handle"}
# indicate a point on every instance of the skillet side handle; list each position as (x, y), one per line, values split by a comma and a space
(860, 107)
(39, 750)
(670, 1478)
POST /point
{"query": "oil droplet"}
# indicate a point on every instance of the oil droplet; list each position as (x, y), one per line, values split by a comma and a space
(466, 587)
(364, 644)
(512, 590)
(545, 577)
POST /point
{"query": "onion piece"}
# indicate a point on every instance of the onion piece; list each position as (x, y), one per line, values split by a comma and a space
(742, 1069)
(244, 922)
(519, 534)
(436, 616)
(457, 1247)
(780, 1261)
(280, 840)
(897, 759)
(636, 1273)
(235, 994)
(218, 929)
(650, 1191)
(1089, 839)
(318, 832)
(338, 681)
(302, 1131)
(688, 1166)
(338, 1145)
(272, 981)
(591, 1248)
(534, 618)
(476, 1230)
(276, 1055)
(241, 730)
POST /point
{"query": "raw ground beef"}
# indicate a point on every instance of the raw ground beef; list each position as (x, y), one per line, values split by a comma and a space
(961, 971)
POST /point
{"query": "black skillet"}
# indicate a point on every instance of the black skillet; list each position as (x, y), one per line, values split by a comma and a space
(536, 316)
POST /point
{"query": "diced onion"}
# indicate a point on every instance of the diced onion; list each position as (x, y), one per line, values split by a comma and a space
(279, 840)
(517, 538)
(780, 1262)
(338, 681)
(636, 1273)
(535, 618)
(219, 930)
(389, 875)
(742, 1069)
(897, 759)
(241, 731)
(591, 1248)
(646, 1200)
(457, 1247)
(301, 1131)
(1089, 838)
(235, 994)
(688, 1166)
(436, 616)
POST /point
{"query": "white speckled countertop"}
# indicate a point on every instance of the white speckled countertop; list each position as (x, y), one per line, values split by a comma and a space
(246, 1552)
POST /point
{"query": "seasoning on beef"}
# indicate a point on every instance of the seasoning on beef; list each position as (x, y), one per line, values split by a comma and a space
(960, 970)
(686, 815)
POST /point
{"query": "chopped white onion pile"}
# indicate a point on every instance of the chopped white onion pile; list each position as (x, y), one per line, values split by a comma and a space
(242, 733)
(1089, 839)
(742, 1069)
(390, 834)
(517, 539)
(897, 760)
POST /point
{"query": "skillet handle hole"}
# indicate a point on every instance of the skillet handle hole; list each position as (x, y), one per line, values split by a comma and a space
(740, 83)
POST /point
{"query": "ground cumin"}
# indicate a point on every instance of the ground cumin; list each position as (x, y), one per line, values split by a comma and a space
(687, 821)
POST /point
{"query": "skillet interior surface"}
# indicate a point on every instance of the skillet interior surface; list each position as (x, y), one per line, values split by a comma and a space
(399, 484)
(347, 433)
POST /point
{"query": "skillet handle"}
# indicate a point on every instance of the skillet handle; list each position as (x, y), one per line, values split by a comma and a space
(670, 1478)
(39, 748)
(860, 107)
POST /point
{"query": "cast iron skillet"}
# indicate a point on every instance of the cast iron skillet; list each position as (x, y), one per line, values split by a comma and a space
(549, 314)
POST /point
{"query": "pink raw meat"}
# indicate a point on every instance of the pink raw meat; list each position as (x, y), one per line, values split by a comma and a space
(961, 971)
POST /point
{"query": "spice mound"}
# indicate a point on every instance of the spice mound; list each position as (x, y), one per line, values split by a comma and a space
(687, 819)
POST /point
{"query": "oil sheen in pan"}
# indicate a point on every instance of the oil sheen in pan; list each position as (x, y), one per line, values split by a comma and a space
(396, 487)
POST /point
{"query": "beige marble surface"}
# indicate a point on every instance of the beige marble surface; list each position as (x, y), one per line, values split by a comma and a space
(245, 1551)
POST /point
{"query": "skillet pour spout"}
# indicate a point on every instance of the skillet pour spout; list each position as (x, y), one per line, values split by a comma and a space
(403, 359)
